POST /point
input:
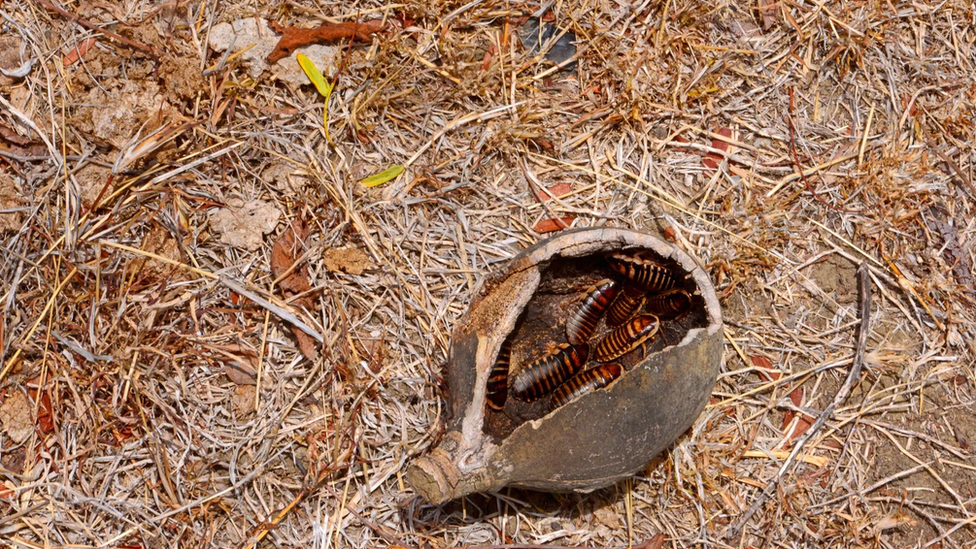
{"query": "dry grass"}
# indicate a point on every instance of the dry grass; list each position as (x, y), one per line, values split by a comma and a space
(853, 143)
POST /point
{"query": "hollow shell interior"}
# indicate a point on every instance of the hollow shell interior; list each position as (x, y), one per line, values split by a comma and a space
(565, 281)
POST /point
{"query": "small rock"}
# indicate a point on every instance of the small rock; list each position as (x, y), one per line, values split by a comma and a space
(346, 260)
(243, 400)
(244, 225)
(15, 417)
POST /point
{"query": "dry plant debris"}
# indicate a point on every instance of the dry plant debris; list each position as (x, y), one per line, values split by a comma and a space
(148, 443)
(293, 38)
(292, 276)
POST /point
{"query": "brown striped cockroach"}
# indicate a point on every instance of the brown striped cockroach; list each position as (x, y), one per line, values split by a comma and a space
(498, 378)
(651, 274)
(628, 302)
(545, 374)
(627, 337)
(584, 382)
(582, 323)
(670, 304)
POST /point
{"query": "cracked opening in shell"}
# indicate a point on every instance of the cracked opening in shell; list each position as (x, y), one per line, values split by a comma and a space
(541, 328)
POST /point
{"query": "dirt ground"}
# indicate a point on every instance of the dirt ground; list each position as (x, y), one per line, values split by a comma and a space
(217, 332)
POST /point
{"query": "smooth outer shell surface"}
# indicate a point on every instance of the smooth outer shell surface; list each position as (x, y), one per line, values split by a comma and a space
(595, 440)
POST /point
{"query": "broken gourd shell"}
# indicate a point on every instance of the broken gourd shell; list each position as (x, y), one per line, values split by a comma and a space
(595, 440)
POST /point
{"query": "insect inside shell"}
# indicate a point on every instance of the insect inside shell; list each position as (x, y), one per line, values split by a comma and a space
(498, 378)
(545, 374)
(582, 323)
(584, 382)
(628, 302)
(627, 337)
(669, 304)
(653, 275)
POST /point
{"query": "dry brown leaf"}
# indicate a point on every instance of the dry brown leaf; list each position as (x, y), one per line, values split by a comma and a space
(45, 411)
(293, 38)
(712, 160)
(796, 396)
(766, 370)
(78, 52)
(557, 190)
(306, 344)
(551, 225)
(240, 373)
(657, 542)
(769, 13)
(285, 252)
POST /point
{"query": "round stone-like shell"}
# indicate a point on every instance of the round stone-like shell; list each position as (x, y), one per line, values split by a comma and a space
(593, 441)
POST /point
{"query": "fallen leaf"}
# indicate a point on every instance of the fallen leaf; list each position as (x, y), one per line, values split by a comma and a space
(346, 260)
(78, 52)
(293, 38)
(324, 88)
(285, 252)
(557, 190)
(243, 225)
(8, 134)
(15, 417)
(240, 373)
(670, 235)
(306, 344)
(796, 396)
(253, 39)
(712, 160)
(550, 225)
(382, 177)
(656, 542)
(45, 411)
(800, 427)
(771, 374)
(769, 13)
(314, 75)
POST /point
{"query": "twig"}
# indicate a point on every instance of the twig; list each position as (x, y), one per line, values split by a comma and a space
(864, 289)
(279, 311)
(961, 175)
(799, 166)
(94, 27)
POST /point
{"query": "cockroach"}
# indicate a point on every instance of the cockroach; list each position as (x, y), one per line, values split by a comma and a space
(627, 337)
(584, 382)
(498, 378)
(582, 323)
(651, 274)
(545, 374)
(670, 304)
(628, 302)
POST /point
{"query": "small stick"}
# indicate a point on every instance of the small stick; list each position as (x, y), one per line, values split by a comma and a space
(799, 167)
(94, 27)
(864, 289)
